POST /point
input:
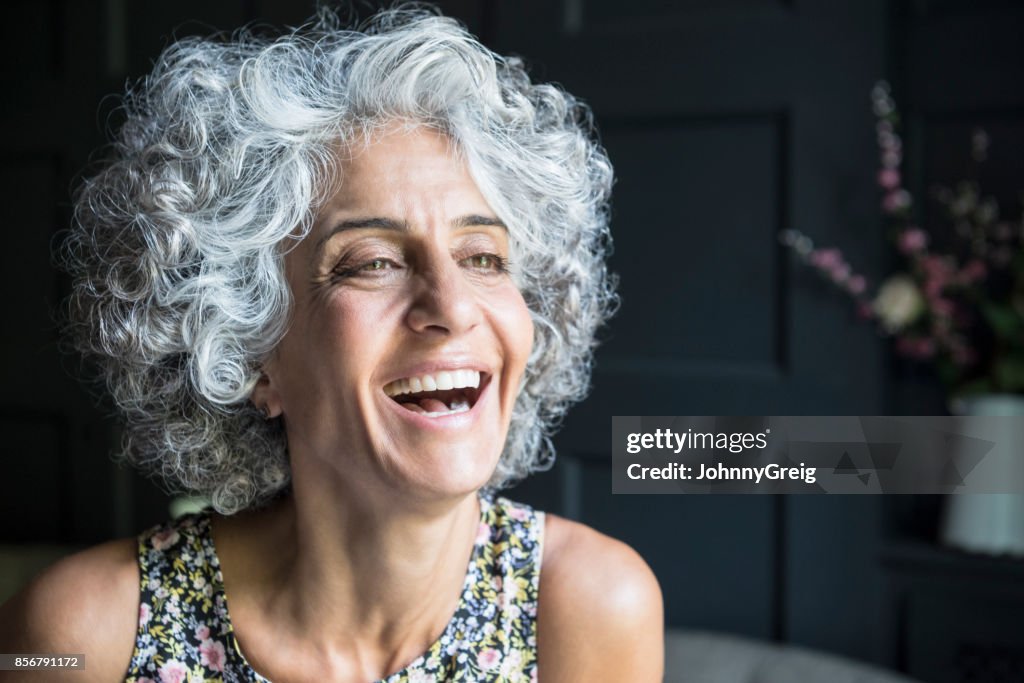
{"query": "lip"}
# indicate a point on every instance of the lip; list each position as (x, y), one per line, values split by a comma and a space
(447, 364)
(445, 422)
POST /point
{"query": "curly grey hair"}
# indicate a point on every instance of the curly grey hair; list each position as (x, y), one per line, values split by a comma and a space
(176, 250)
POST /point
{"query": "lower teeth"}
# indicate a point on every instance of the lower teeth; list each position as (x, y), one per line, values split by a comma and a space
(457, 406)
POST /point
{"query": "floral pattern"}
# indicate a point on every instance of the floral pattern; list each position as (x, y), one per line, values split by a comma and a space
(185, 633)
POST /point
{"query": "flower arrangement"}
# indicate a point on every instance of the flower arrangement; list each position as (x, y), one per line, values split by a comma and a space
(958, 298)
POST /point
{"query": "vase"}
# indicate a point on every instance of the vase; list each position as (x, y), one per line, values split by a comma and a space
(990, 523)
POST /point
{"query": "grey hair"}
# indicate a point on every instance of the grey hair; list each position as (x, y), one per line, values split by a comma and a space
(177, 244)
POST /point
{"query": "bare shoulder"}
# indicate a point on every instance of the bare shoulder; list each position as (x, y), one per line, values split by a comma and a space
(600, 612)
(86, 603)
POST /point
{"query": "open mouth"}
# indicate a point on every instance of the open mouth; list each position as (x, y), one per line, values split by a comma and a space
(441, 393)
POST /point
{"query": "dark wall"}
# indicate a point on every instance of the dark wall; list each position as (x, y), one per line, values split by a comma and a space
(727, 121)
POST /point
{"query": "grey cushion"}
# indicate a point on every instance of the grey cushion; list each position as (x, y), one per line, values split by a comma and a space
(702, 657)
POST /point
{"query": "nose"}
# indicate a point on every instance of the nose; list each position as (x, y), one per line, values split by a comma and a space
(443, 300)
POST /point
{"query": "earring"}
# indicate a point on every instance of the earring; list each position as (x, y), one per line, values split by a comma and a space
(265, 411)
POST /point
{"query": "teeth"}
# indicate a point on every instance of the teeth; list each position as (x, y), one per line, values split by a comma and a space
(444, 380)
(457, 407)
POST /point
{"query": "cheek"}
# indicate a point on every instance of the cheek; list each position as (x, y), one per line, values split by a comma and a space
(517, 326)
(338, 338)
(353, 334)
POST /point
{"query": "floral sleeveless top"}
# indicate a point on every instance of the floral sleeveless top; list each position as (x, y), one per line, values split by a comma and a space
(185, 633)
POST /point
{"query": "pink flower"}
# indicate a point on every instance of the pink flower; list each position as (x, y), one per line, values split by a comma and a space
(488, 659)
(889, 178)
(831, 263)
(938, 274)
(974, 270)
(926, 348)
(518, 513)
(934, 266)
(211, 654)
(483, 532)
(144, 613)
(920, 348)
(891, 158)
(164, 539)
(202, 632)
(889, 142)
(941, 307)
(825, 258)
(145, 680)
(856, 284)
(840, 273)
(896, 200)
(173, 672)
(913, 240)
(420, 676)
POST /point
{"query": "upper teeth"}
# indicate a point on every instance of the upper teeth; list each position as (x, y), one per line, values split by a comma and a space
(439, 381)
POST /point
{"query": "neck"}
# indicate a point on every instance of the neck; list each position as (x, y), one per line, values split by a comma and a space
(377, 559)
(369, 580)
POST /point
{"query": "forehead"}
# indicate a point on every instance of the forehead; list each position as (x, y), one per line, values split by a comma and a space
(401, 168)
(399, 177)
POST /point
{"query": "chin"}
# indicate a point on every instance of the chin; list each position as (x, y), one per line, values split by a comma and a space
(453, 472)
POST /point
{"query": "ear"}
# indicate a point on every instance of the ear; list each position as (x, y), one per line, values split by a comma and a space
(265, 397)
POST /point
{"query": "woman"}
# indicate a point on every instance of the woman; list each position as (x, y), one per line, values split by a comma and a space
(344, 284)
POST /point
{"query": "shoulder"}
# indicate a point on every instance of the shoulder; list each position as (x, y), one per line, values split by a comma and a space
(600, 608)
(86, 603)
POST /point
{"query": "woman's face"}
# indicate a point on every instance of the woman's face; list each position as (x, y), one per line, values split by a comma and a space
(408, 338)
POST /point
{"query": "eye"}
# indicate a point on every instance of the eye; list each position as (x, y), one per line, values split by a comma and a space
(486, 262)
(377, 266)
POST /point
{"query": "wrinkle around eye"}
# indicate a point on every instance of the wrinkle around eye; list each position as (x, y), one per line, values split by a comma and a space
(495, 265)
(373, 268)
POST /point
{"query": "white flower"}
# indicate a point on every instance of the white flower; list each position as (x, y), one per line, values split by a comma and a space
(512, 664)
(420, 676)
(898, 303)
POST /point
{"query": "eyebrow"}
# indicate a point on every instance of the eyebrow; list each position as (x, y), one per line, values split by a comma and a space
(382, 223)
